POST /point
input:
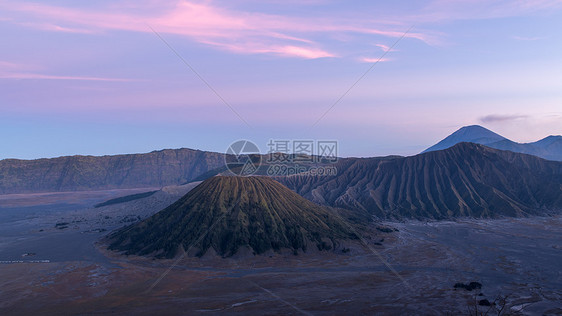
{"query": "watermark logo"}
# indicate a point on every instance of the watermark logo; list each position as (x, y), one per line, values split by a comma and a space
(305, 151)
(289, 157)
(243, 158)
(283, 169)
(284, 158)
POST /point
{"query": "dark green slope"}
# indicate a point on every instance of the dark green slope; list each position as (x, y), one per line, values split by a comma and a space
(466, 180)
(227, 213)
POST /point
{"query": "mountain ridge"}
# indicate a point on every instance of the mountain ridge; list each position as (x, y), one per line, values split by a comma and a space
(549, 147)
(79, 173)
(466, 180)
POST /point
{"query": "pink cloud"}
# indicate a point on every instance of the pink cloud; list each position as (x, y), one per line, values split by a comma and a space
(302, 52)
(396, 34)
(57, 28)
(383, 47)
(11, 70)
(373, 60)
(6, 65)
(288, 50)
(54, 77)
(240, 31)
(253, 32)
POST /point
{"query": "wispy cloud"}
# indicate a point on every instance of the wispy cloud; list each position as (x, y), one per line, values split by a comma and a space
(55, 77)
(524, 38)
(6, 65)
(301, 52)
(56, 28)
(259, 48)
(205, 22)
(253, 32)
(495, 118)
(383, 47)
(373, 59)
(10, 70)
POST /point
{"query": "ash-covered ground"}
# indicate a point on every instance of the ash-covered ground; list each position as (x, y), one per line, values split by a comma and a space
(52, 263)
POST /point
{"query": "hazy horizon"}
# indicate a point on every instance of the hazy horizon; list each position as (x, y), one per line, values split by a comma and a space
(263, 150)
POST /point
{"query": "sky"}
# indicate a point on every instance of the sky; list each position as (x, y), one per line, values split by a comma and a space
(379, 77)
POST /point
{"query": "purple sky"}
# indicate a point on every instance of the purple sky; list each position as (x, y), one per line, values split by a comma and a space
(90, 77)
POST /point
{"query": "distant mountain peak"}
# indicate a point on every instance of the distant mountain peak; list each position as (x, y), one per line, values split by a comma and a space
(475, 127)
(549, 148)
(471, 134)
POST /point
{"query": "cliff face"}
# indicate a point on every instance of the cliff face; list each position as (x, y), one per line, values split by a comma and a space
(464, 180)
(76, 173)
